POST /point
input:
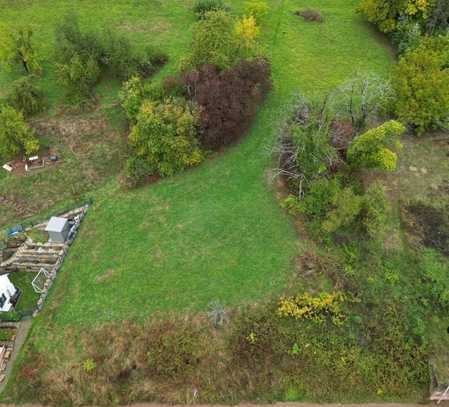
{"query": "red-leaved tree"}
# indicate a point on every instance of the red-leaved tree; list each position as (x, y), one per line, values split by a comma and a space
(227, 99)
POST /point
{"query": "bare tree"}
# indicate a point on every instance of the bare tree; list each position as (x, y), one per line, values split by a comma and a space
(362, 98)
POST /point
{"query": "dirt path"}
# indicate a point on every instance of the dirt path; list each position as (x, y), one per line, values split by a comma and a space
(22, 332)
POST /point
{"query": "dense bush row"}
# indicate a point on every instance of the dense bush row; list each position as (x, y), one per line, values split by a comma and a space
(420, 30)
(83, 56)
(207, 106)
(404, 16)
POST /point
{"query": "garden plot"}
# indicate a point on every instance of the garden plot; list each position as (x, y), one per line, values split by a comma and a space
(7, 338)
(89, 151)
(41, 258)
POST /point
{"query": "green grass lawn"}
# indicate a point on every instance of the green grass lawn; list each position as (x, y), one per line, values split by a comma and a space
(28, 299)
(215, 232)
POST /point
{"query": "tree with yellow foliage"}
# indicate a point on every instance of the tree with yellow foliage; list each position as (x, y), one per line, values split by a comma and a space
(386, 13)
(221, 40)
(247, 31)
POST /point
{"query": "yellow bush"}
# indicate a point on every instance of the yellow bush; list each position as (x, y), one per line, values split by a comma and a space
(247, 31)
(318, 308)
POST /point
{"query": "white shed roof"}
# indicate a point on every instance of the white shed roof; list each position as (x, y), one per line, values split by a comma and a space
(56, 224)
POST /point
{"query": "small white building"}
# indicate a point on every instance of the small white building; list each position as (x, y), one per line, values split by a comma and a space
(58, 229)
(8, 293)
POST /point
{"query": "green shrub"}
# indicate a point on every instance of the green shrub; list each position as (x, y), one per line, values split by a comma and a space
(83, 56)
(407, 35)
(135, 91)
(131, 97)
(345, 209)
(375, 208)
(328, 206)
(373, 149)
(7, 334)
(256, 8)
(71, 41)
(292, 204)
(202, 7)
(15, 135)
(319, 198)
(79, 58)
(165, 136)
(124, 61)
(421, 84)
(25, 97)
(79, 76)
(119, 56)
(17, 48)
(434, 269)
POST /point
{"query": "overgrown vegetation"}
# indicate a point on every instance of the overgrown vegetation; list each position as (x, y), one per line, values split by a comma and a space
(421, 78)
(28, 297)
(204, 6)
(331, 185)
(210, 103)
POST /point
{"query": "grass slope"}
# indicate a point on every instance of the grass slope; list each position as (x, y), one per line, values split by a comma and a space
(215, 232)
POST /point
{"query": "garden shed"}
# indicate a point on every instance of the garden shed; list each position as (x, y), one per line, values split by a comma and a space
(8, 293)
(58, 229)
